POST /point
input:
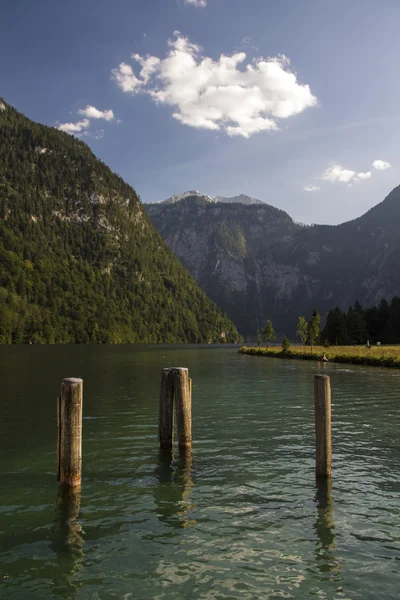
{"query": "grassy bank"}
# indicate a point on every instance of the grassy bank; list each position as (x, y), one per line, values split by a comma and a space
(376, 356)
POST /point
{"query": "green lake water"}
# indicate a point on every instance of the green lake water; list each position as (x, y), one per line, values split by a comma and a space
(241, 517)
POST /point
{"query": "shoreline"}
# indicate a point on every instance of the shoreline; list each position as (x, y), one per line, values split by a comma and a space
(378, 356)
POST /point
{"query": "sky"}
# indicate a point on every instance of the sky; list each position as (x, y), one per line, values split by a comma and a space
(294, 102)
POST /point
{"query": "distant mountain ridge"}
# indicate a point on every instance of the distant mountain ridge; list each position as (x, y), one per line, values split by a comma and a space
(240, 199)
(80, 262)
(258, 264)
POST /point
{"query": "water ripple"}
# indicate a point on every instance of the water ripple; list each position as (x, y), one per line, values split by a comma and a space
(240, 517)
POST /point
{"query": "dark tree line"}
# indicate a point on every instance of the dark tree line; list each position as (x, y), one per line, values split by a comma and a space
(358, 325)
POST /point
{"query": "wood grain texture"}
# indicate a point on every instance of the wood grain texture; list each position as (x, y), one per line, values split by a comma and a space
(166, 410)
(183, 406)
(323, 441)
(69, 446)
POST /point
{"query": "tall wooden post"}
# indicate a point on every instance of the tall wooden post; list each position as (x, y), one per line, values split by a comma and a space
(69, 441)
(175, 387)
(323, 441)
(166, 410)
(183, 406)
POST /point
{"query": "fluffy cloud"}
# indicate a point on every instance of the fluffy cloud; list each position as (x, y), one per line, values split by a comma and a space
(366, 175)
(336, 173)
(74, 128)
(81, 128)
(94, 113)
(311, 188)
(381, 165)
(126, 79)
(201, 3)
(218, 95)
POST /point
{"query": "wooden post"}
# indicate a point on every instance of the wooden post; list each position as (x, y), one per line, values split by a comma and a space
(166, 410)
(323, 442)
(69, 441)
(183, 406)
(175, 386)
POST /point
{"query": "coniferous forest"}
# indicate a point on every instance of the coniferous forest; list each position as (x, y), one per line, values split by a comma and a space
(356, 326)
(79, 260)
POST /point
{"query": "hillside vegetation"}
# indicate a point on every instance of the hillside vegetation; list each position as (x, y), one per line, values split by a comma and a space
(79, 260)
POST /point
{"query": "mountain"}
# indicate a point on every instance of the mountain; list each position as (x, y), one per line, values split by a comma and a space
(258, 264)
(189, 194)
(79, 259)
(241, 199)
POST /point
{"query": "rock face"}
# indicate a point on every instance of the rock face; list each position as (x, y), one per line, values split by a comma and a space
(258, 264)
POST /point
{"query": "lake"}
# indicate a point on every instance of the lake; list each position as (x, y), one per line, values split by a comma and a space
(239, 517)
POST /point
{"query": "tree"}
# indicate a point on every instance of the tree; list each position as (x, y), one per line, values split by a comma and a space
(268, 333)
(394, 321)
(313, 329)
(384, 316)
(356, 326)
(301, 330)
(335, 330)
(285, 344)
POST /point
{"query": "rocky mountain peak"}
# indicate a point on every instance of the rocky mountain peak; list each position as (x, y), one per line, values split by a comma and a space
(188, 194)
(240, 199)
(196, 194)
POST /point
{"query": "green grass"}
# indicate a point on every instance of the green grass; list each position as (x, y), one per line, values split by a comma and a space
(376, 356)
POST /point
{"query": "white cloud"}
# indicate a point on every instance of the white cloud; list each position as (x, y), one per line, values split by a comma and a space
(74, 128)
(218, 95)
(311, 188)
(94, 113)
(80, 128)
(336, 173)
(199, 3)
(366, 175)
(381, 165)
(339, 174)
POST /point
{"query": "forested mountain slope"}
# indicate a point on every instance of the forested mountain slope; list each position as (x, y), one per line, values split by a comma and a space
(79, 259)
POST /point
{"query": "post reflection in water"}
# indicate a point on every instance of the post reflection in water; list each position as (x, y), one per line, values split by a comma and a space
(325, 528)
(173, 487)
(68, 542)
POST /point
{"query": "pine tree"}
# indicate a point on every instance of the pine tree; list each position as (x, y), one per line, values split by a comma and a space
(335, 331)
(356, 325)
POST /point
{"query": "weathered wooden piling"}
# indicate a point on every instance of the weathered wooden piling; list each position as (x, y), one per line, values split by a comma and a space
(323, 441)
(175, 387)
(183, 406)
(166, 410)
(69, 439)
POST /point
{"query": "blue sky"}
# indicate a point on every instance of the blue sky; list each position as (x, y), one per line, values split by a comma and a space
(269, 131)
